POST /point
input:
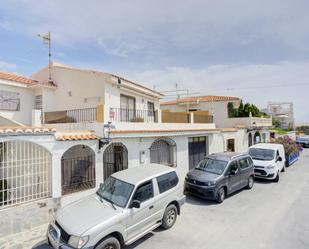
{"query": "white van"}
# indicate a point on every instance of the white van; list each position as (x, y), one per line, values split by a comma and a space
(268, 160)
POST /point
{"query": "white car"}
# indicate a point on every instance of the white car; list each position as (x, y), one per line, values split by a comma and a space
(268, 160)
(127, 206)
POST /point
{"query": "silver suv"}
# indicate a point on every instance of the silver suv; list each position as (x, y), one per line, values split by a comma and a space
(127, 206)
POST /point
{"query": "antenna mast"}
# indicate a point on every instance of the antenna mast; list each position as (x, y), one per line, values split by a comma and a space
(47, 40)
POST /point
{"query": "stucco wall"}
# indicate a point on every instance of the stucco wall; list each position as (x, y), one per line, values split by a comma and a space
(26, 103)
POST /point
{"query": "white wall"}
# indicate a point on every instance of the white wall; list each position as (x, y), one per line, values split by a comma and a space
(75, 89)
(218, 109)
(26, 103)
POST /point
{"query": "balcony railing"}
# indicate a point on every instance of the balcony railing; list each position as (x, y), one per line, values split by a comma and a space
(132, 115)
(71, 116)
(175, 117)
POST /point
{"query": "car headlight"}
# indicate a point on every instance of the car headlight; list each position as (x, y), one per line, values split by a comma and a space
(272, 166)
(78, 242)
(210, 184)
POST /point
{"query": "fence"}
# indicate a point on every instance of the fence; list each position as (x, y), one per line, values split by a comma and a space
(71, 116)
(25, 172)
(131, 115)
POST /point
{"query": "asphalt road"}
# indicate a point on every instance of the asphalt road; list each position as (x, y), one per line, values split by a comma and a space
(269, 216)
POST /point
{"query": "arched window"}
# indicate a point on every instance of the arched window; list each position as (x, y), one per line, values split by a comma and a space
(163, 151)
(115, 158)
(25, 172)
(249, 139)
(257, 137)
(78, 169)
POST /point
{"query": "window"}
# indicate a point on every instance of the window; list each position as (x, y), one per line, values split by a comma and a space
(245, 163)
(167, 181)
(151, 108)
(38, 102)
(127, 108)
(212, 166)
(233, 166)
(9, 101)
(144, 192)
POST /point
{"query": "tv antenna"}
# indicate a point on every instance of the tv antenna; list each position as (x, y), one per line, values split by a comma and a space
(47, 40)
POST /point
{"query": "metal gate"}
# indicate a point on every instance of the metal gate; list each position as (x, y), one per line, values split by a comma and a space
(163, 151)
(197, 150)
(115, 158)
(25, 172)
(77, 169)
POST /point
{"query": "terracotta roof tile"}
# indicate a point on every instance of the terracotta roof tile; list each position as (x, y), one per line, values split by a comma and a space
(25, 130)
(24, 80)
(75, 135)
(16, 78)
(208, 98)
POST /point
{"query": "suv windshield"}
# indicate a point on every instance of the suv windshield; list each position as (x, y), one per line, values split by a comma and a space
(262, 154)
(212, 166)
(115, 191)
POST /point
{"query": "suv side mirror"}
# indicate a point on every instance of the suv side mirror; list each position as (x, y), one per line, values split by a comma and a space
(279, 159)
(136, 204)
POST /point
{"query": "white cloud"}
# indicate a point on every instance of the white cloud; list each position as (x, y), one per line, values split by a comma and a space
(258, 83)
(6, 66)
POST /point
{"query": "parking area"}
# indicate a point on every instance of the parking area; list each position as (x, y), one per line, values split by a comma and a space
(271, 215)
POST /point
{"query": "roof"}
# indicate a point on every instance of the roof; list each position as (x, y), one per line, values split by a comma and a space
(137, 174)
(75, 135)
(25, 130)
(17, 78)
(197, 99)
(226, 156)
(161, 130)
(25, 80)
(266, 146)
(59, 65)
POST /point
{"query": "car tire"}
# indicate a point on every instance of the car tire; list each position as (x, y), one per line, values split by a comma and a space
(250, 182)
(277, 177)
(220, 195)
(169, 217)
(109, 243)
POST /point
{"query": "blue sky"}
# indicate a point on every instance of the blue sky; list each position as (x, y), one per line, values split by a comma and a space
(257, 49)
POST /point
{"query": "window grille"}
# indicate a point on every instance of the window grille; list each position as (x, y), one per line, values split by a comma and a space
(9, 101)
(25, 172)
(78, 169)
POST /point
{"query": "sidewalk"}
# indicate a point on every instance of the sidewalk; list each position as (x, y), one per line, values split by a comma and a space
(24, 240)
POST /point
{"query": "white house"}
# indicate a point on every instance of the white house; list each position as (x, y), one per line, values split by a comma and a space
(73, 131)
(257, 129)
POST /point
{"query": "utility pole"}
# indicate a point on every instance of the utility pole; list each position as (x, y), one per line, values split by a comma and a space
(47, 40)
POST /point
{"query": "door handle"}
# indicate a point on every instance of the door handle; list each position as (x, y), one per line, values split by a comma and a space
(151, 207)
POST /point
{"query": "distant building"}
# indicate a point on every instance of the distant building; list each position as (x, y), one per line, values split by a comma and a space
(282, 111)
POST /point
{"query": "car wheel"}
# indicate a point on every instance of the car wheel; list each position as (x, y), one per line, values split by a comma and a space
(277, 177)
(220, 195)
(250, 182)
(109, 243)
(169, 217)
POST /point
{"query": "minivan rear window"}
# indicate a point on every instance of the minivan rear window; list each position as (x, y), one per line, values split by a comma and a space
(167, 181)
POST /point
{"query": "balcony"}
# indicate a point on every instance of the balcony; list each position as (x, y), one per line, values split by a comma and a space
(249, 122)
(132, 115)
(103, 114)
(71, 116)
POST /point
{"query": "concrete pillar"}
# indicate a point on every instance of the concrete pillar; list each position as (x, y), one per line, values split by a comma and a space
(191, 117)
(56, 175)
(36, 118)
